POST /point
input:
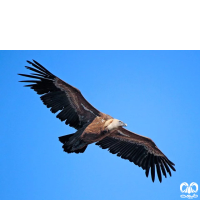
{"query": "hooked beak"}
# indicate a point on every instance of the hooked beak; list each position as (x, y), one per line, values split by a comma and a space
(125, 125)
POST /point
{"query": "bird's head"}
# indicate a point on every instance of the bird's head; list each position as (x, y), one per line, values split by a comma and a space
(120, 123)
(113, 124)
(117, 123)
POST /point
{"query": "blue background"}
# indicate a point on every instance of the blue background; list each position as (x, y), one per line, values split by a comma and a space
(157, 93)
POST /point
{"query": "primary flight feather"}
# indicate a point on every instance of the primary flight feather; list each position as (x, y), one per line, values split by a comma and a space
(93, 125)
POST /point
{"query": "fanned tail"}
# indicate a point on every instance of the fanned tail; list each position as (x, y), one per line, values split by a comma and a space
(72, 144)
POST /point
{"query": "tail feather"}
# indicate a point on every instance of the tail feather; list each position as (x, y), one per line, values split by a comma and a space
(64, 138)
(72, 143)
(81, 150)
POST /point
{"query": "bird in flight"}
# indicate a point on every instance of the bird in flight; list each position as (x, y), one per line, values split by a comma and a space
(94, 126)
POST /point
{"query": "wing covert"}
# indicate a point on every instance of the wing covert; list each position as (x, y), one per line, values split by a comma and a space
(140, 150)
(58, 95)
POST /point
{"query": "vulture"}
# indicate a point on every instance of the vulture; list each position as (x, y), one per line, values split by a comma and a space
(93, 126)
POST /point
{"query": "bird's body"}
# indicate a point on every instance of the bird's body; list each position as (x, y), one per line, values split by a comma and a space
(99, 129)
(94, 126)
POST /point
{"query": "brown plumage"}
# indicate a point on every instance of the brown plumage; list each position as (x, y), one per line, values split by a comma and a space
(93, 125)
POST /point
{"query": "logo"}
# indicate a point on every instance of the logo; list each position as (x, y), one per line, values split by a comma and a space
(192, 188)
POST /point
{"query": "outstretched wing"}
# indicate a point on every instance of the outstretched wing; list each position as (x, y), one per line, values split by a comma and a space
(74, 109)
(138, 149)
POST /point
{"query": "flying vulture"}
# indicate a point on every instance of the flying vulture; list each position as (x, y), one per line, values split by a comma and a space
(94, 126)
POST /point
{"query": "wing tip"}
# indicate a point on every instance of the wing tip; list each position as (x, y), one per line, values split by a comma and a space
(28, 61)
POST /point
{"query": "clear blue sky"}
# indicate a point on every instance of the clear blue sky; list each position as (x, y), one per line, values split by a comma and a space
(157, 93)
